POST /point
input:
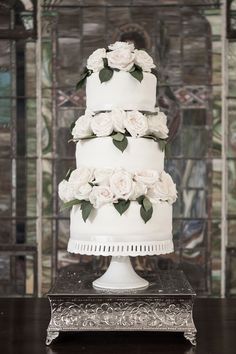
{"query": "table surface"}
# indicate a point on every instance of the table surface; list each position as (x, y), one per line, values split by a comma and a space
(23, 324)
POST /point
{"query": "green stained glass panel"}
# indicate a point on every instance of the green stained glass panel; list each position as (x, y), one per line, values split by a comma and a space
(5, 141)
(29, 286)
(63, 234)
(232, 187)
(216, 188)
(5, 83)
(5, 111)
(6, 236)
(5, 187)
(69, 62)
(47, 206)
(195, 141)
(193, 233)
(232, 128)
(31, 126)
(232, 233)
(46, 255)
(216, 126)
(94, 21)
(194, 264)
(47, 127)
(30, 69)
(46, 64)
(31, 194)
(69, 22)
(215, 235)
(194, 203)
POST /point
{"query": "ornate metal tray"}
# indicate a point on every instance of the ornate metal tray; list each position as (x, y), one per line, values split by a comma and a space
(166, 305)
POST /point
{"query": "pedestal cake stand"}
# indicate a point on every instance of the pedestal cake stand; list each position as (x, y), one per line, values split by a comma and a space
(165, 305)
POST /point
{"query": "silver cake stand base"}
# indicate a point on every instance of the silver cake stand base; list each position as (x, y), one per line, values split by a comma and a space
(166, 305)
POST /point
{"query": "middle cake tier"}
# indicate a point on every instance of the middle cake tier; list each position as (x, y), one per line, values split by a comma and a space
(141, 153)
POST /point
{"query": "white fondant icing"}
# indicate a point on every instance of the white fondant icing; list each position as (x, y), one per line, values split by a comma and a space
(141, 153)
(105, 226)
(121, 91)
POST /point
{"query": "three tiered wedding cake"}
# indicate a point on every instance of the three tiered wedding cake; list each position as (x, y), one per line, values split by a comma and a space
(120, 195)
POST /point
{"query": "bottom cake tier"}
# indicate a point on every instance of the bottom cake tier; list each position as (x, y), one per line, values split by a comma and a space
(106, 232)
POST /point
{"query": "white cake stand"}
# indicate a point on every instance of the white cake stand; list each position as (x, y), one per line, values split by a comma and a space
(120, 275)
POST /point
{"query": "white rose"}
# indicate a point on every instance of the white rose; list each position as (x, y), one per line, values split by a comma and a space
(95, 60)
(101, 195)
(65, 191)
(80, 176)
(139, 189)
(121, 45)
(102, 175)
(144, 60)
(102, 124)
(157, 125)
(136, 123)
(118, 116)
(122, 59)
(82, 127)
(164, 189)
(121, 184)
(147, 177)
(82, 192)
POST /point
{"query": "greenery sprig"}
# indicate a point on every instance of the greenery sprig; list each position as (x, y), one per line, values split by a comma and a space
(85, 73)
(146, 209)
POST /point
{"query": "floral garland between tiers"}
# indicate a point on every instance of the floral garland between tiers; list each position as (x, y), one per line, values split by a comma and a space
(119, 56)
(119, 124)
(92, 188)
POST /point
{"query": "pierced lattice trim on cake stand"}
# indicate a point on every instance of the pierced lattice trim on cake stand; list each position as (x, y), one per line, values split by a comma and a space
(118, 248)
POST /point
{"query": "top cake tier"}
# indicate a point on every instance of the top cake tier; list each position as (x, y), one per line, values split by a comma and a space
(120, 76)
(121, 91)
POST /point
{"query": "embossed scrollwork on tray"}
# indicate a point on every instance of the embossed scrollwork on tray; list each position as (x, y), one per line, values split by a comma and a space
(121, 314)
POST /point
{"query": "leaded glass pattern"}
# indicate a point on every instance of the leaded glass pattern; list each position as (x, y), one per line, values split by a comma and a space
(18, 251)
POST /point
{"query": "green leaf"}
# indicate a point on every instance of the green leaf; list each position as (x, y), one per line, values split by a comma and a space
(154, 72)
(105, 74)
(137, 74)
(151, 137)
(87, 137)
(147, 204)
(121, 145)
(72, 125)
(69, 204)
(146, 215)
(138, 67)
(147, 113)
(105, 62)
(118, 137)
(140, 199)
(83, 78)
(86, 208)
(132, 69)
(68, 173)
(122, 205)
(81, 83)
(162, 144)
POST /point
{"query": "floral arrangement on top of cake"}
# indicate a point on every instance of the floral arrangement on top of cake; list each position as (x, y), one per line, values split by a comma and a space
(119, 56)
